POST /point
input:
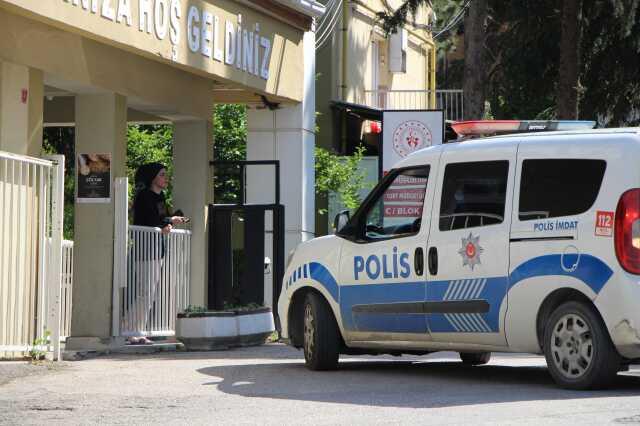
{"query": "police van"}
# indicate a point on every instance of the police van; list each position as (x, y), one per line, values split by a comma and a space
(519, 243)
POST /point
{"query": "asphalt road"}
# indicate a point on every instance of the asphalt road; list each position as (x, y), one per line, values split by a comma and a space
(270, 385)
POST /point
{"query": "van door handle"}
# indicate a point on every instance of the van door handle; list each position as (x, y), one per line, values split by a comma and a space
(433, 261)
(418, 261)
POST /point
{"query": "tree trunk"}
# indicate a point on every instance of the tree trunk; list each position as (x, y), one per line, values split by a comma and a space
(475, 26)
(569, 67)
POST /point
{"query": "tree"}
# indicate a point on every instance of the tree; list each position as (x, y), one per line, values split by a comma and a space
(341, 175)
(474, 81)
(230, 139)
(147, 144)
(59, 140)
(569, 69)
(610, 52)
(522, 56)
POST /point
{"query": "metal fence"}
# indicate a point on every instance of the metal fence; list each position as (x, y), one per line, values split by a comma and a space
(31, 191)
(157, 281)
(67, 289)
(450, 101)
(151, 274)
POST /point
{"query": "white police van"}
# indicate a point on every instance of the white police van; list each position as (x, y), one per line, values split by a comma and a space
(520, 243)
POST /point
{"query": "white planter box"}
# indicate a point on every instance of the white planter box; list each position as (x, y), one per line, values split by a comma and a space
(223, 330)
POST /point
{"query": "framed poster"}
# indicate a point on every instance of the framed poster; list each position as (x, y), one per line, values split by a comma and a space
(93, 178)
(404, 132)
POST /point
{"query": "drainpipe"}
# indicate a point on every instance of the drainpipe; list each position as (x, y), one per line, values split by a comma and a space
(432, 72)
(345, 34)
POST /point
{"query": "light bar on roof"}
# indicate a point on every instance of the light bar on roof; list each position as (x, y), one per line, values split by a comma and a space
(483, 127)
(491, 127)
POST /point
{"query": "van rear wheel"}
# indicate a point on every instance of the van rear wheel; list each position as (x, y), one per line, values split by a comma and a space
(321, 339)
(475, 358)
(578, 349)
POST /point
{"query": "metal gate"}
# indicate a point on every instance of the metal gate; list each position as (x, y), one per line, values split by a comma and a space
(31, 215)
(151, 274)
(246, 246)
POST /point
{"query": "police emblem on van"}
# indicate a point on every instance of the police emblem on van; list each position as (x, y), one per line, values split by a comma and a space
(470, 251)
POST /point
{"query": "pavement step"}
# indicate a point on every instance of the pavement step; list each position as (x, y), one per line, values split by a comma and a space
(163, 346)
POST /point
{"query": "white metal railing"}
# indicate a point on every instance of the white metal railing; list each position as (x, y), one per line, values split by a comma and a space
(67, 289)
(30, 282)
(151, 273)
(450, 101)
(157, 281)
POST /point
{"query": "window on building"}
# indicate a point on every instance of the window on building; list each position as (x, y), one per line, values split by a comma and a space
(554, 188)
(473, 194)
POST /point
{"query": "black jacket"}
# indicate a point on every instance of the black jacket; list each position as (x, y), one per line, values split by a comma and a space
(150, 209)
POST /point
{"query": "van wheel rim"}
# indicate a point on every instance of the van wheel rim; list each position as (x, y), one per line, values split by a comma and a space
(572, 346)
(309, 330)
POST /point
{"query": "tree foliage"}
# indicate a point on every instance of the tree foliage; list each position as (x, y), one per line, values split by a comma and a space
(391, 21)
(147, 144)
(341, 175)
(611, 60)
(59, 140)
(230, 139)
(523, 56)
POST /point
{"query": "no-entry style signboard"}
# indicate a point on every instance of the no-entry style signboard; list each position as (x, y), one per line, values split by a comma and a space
(404, 132)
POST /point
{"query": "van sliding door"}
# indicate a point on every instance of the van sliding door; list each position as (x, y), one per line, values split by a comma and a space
(468, 254)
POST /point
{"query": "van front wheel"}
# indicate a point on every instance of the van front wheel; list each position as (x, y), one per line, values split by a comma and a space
(578, 349)
(321, 340)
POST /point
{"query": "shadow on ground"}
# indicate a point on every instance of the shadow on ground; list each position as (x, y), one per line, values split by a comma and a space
(413, 384)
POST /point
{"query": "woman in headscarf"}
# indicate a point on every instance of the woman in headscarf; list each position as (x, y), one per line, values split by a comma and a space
(149, 205)
(149, 209)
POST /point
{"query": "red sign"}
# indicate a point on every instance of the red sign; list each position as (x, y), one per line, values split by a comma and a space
(404, 194)
(403, 211)
(404, 180)
(604, 224)
(24, 95)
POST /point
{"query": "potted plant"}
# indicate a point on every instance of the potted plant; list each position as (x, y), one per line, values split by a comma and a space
(201, 329)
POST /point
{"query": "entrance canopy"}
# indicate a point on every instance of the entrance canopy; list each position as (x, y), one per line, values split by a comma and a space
(232, 52)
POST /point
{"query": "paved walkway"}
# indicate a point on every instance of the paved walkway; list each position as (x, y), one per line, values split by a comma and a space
(269, 385)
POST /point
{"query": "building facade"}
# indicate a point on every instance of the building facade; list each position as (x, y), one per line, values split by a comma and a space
(361, 71)
(100, 64)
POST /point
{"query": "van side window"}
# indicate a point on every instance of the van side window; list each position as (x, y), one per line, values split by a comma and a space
(396, 210)
(553, 188)
(473, 194)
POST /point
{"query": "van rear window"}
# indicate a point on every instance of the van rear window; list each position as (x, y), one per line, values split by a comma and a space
(554, 188)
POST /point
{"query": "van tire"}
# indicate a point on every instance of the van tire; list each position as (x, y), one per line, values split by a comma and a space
(321, 342)
(578, 349)
(475, 358)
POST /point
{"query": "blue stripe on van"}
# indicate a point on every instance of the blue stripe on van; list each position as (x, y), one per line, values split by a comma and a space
(369, 294)
(590, 270)
(321, 274)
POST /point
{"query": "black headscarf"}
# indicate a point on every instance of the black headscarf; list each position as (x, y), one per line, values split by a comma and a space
(146, 174)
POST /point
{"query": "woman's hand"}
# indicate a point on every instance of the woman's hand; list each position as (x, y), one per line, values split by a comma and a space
(167, 228)
(176, 220)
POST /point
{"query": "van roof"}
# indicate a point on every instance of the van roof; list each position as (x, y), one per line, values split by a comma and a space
(505, 140)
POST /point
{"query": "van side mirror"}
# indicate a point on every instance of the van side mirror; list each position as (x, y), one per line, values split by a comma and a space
(341, 220)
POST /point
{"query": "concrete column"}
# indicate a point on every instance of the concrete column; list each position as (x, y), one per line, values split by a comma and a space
(288, 135)
(192, 192)
(101, 126)
(21, 109)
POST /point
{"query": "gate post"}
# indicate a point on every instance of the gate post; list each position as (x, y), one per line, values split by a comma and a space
(54, 281)
(120, 249)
